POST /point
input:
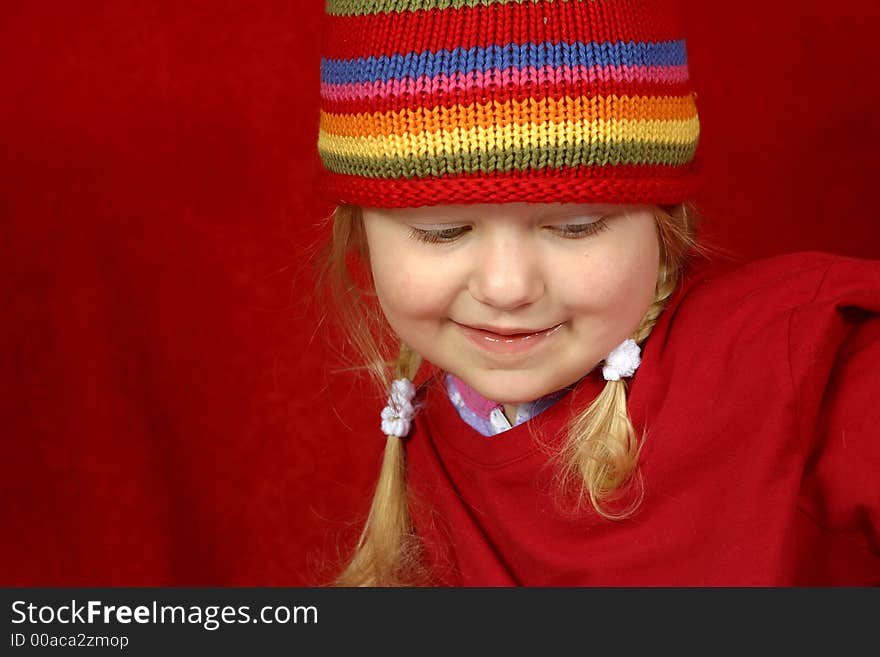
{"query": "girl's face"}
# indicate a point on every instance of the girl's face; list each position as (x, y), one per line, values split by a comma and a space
(518, 300)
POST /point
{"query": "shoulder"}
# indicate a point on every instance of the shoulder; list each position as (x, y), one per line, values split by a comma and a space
(757, 294)
(779, 323)
(784, 351)
(795, 321)
(793, 278)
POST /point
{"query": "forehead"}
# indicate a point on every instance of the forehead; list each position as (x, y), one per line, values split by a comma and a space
(500, 210)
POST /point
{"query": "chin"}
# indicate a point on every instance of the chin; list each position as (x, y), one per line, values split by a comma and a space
(504, 388)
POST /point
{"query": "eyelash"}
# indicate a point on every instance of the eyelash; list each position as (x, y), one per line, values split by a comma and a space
(451, 234)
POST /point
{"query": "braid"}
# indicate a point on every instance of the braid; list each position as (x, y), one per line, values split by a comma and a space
(407, 364)
(675, 229)
(601, 451)
(388, 552)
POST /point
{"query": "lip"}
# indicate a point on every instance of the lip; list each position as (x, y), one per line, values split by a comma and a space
(511, 341)
(506, 332)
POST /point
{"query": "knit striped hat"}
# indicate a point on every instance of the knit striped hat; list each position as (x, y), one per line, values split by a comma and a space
(430, 102)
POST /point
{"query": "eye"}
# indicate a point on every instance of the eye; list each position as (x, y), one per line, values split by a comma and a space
(566, 231)
(579, 231)
(439, 235)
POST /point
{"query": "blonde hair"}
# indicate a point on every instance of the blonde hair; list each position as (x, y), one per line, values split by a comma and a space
(599, 455)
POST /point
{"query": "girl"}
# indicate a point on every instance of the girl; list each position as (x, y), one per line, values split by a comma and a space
(599, 405)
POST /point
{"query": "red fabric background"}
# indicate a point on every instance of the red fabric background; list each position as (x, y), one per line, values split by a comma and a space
(169, 413)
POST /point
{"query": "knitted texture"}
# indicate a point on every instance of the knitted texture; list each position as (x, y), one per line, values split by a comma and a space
(428, 102)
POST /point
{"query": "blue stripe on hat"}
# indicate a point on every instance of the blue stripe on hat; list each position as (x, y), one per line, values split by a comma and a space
(461, 60)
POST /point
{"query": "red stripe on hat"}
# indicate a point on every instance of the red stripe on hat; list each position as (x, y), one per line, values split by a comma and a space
(609, 184)
(481, 26)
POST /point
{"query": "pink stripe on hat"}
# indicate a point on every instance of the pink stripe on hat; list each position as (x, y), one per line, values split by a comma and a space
(482, 79)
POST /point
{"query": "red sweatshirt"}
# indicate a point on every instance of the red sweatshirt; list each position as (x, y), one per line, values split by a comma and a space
(759, 389)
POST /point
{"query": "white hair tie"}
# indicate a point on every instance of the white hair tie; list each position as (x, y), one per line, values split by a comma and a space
(399, 412)
(623, 361)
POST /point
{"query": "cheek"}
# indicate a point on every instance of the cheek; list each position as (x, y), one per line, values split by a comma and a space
(410, 288)
(638, 276)
(619, 283)
(407, 285)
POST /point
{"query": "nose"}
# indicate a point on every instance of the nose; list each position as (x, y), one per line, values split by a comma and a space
(507, 274)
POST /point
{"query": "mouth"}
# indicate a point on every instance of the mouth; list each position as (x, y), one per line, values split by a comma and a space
(507, 340)
(509, 333)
